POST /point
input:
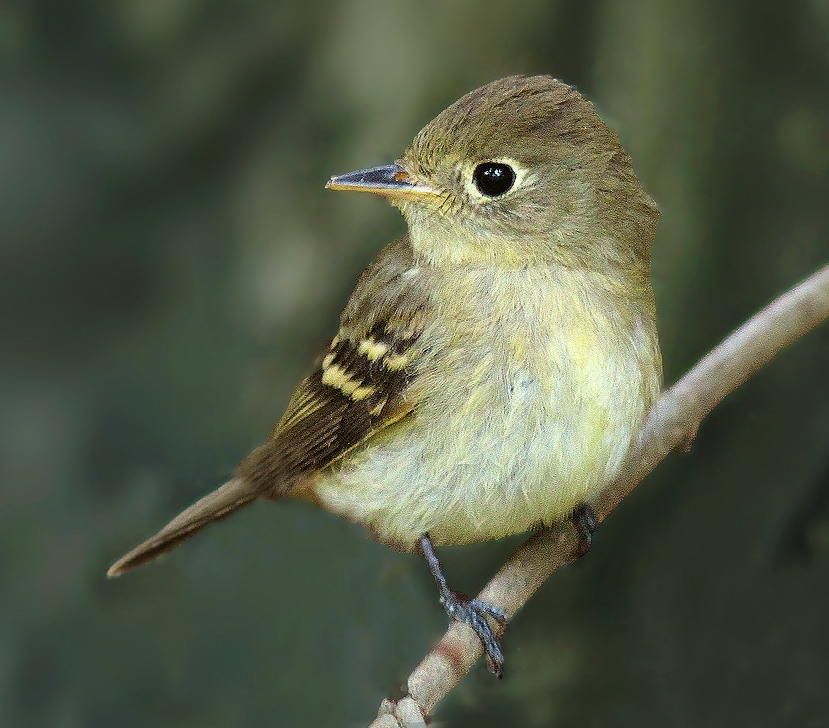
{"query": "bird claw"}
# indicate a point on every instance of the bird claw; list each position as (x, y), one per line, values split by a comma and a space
(499, 615)
(586, 522)
(474, 613)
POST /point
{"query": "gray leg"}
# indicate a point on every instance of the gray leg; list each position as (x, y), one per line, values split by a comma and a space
(469, 611)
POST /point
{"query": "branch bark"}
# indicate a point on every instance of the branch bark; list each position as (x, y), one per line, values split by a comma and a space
(671, 424)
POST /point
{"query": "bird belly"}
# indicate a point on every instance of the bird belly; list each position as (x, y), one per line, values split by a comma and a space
(500, 447)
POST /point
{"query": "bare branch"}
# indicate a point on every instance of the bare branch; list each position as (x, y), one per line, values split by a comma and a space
(672, 423)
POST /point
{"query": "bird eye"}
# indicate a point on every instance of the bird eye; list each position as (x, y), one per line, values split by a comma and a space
(493, 179)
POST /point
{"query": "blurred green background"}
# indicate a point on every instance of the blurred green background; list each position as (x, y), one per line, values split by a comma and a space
(170, 265)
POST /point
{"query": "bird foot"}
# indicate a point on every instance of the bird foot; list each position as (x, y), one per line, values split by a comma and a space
(474, 613)
(586, 522)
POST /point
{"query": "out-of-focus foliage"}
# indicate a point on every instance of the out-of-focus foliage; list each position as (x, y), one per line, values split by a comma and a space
(170, 265)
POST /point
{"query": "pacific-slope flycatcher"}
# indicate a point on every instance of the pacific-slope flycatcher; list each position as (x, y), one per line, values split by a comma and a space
(492, 366)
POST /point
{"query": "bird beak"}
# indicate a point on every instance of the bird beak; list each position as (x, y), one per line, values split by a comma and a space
(390, 181)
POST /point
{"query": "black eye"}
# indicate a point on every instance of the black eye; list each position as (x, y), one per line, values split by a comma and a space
(493, 178)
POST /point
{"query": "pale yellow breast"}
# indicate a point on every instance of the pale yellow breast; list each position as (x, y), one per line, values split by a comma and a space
(535, 388)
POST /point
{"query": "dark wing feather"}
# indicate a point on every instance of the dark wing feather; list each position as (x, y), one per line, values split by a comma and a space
(365, 382)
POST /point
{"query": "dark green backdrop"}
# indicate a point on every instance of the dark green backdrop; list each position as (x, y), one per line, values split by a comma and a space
(170, 264)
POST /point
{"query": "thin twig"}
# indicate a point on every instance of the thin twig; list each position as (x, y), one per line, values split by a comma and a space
(671, 424)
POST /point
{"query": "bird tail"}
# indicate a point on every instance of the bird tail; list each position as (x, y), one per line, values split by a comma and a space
(215, 506)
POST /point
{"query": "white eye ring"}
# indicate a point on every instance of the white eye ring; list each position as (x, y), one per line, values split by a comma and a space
(514, 172)
(493, 179)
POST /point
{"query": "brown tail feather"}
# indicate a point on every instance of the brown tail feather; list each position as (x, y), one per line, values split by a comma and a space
(215, 506)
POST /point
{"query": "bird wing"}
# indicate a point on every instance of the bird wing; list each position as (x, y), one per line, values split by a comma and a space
(367, 380)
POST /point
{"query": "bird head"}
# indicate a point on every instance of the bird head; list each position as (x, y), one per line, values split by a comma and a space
(519, 172)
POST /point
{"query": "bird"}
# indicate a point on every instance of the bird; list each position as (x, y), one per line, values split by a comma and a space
(494, 364)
